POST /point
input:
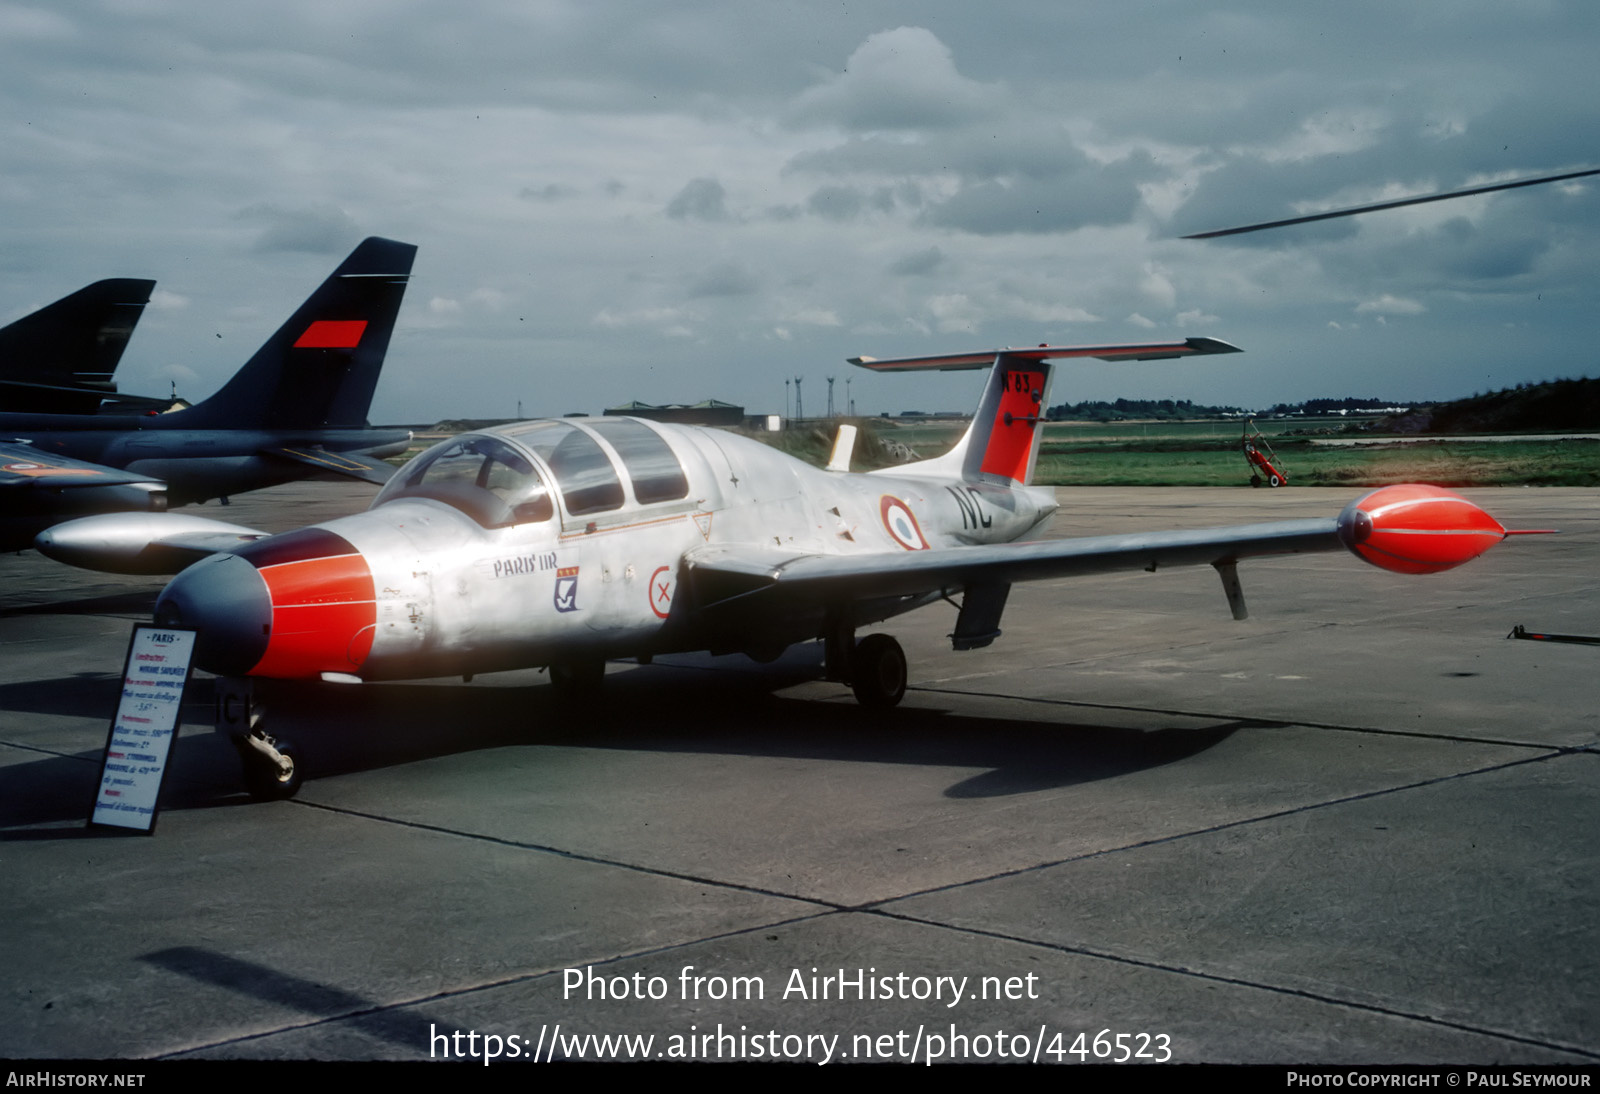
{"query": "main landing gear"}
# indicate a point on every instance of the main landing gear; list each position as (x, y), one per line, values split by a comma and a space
(875, 667)
(270, 766)
(577, 680)
(878, 671)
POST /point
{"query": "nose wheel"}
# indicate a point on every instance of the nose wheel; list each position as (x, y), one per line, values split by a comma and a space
(272, 771)
(269, 778)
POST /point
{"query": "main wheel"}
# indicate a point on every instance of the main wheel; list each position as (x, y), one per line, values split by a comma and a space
(577, 679)
(878, 671)
(265, 780)
(1275, 480)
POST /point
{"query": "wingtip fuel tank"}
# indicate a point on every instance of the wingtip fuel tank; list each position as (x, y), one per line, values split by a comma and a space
(1415, 529)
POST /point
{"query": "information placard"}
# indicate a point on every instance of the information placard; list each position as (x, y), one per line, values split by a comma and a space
(142, 731)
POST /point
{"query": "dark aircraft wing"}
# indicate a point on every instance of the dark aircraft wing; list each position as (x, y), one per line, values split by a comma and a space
(352, 464)
(1420, 199)
(24, 467)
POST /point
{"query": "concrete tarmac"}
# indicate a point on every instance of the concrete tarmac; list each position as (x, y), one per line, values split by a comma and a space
(1358, 827)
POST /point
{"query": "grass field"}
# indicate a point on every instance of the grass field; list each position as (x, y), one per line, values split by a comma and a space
(1208, 454)
(1512, 463)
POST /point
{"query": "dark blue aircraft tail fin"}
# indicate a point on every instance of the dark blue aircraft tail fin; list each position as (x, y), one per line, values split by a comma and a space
(320, 369)
(60, 359)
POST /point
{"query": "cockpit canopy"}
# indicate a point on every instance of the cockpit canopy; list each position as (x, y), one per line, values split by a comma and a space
(493, 481)
(484, 477)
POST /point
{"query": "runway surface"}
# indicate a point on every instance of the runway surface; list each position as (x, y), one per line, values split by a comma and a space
(1357, 827)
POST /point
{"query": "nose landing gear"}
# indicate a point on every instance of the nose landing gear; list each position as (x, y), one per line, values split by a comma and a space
(270, 766)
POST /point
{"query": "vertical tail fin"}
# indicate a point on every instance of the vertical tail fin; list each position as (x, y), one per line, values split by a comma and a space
(60, 359)
(1002, 444)
(319, 370)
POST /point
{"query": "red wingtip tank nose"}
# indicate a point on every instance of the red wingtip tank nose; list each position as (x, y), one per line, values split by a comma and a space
(1414, 529)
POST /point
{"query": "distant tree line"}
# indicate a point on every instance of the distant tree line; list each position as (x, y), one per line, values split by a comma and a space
(1554, 404)
(1100, 411)
(1332, 406)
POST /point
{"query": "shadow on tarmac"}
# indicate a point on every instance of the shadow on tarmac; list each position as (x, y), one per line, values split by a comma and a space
(340, 729)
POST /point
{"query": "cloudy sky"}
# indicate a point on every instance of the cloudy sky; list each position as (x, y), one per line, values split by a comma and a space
(670, 202)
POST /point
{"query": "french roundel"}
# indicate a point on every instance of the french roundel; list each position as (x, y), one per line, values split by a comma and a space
(897, 518)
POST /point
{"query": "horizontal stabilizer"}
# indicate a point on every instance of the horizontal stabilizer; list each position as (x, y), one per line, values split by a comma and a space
(350, 464)
(1139, 351)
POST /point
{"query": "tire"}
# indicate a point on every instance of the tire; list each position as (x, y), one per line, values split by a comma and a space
(1255, 480)
(263, 779)
(878, 672)
(1276, 480)
(577, 679)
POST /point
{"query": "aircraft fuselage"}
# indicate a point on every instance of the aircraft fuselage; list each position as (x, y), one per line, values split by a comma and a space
(428, 582)
(196, 464)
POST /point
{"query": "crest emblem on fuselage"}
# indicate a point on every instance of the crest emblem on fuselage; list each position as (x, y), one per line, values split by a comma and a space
(566, 597)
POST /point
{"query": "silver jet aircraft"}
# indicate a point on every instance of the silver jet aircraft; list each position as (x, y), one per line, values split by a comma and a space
(565, 543)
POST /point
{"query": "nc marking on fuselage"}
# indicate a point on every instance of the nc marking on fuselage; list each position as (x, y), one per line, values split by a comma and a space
(972, 514)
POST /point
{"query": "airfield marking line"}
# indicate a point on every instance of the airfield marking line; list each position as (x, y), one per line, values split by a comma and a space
(503, 982)
(1156, 841)
(94, 757)
(1236, 981)
(579, 856)
(1257, 722)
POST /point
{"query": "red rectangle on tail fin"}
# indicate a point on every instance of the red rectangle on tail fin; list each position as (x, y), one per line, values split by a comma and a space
(332, 334)
(1010, 447)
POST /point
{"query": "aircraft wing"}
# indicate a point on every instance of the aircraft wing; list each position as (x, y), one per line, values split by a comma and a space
(723, 573)
(352, 464)
(737, 589)
(24, 467)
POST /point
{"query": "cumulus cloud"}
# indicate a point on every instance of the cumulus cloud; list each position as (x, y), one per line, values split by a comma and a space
(638, 317)
(162, 300)
(552, 191)
(897, 79)
(1388, 304)
(321, 229)
(724, 279)
(701, 199)
(836, 202)
(918, 263)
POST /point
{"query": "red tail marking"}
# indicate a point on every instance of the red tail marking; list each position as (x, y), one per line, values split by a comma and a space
(332, 334)
(1011, 433)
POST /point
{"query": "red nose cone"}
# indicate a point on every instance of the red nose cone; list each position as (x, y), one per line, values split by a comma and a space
(323, 612)
(1414, 529)
(322, 601)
